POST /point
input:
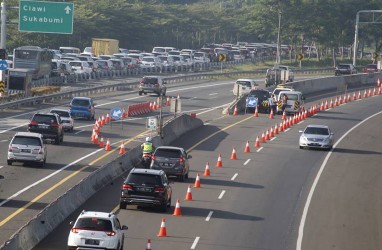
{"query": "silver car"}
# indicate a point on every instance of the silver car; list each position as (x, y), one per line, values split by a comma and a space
(27, 147)
(316, 136)
(66, 118)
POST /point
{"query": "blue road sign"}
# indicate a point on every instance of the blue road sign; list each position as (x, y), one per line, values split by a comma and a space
(3, 65)
(116, 113)
(251, 102)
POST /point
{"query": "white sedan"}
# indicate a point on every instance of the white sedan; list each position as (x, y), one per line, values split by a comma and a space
(316, 136)
(66, 118)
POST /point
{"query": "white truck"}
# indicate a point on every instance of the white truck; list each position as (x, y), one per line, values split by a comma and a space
(279, 74)
(295, 102)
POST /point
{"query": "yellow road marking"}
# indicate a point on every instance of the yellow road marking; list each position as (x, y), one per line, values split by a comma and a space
(18, 211)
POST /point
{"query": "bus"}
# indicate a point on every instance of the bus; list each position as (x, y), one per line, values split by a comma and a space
(35, 58)
(72, 50)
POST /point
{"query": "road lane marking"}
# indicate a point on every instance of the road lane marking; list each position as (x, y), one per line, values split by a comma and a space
(221, 195)
(195, 242)
(213, 94)
(286, 130)
(18, 211)
(234, 176)
(259, 149)
(12, 128)
(76, 133)
(300, 122)
(209, 215)
(314, 185)
(3, 140)
(246, 162)
(1, 166)
(274, 138)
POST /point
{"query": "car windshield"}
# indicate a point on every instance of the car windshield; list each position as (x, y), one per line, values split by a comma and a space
(316, 131)
(144, 179)
(47, 119)
(150, 80)
(372, 66)
(61, 113)
(343, 66)
(244, 83)
(292, 97)
(75, 64)
(262, 95)
(24, 140)
(148, 59)
(198, 54)
(168, 153)
(96, 224)
(80, 102)
(102, 63)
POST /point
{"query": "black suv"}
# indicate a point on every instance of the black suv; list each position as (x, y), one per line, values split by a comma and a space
(263, 97)
(49, 125)
(146, 187)
(172, 160)
(345, 69)
(152, 84)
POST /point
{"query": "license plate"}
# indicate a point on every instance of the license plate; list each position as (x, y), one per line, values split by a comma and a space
(25, 150)
(91, 242)
(43, 126)
(143, 189)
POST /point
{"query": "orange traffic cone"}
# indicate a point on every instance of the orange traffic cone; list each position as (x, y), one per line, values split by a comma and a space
(267, 136)
(345, 100)
(162, 230)
(219, 163)
(148, 247)
(349, 99)
(247, 148)
(93, 135)
(107, 119)
(359, 97)
(103, 121)
(282, 126)
(108, 147)
(101, 143)
(378, 83)
(168, 101)
(207, 170)
(177, 211)
(256, 114)
(365, 94)
(379, 90)
(374, 92)
(326, 104)
(257, 142)
(197, 181)
(369, 93)
(336, 102)
(271, 115)
(188, 194)
(96, 139)
(354, 97)
(271, 133)
(340, 100)
(263, 138)
(235, 112)
(284, 116)
(331, 103)
(122, 149)
(233, 155)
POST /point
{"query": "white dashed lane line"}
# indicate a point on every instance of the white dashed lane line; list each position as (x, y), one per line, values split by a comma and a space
(221, 195)
(209, 215)
(195, 242)
(274, 138)
(259, 149)
(76, 133)
(246, 162)
(234, 177)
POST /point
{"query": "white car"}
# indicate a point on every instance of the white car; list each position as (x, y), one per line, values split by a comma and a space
(151, 61)
(244, 86)
(27, 147)
(80, 67)
(316, 136)
(66, 118)
(96, 230)
(201, 57)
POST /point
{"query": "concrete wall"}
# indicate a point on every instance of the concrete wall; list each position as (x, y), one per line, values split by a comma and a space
(49, 218)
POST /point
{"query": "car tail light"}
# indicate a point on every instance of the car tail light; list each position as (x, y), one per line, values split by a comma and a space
(110, 233)
(181, 159)
(127, 187)
(159, 190)
(54, 125)
(33, 123)
(75, 230)
(153, 157)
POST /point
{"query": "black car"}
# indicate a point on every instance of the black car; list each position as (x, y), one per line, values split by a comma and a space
(174, 161)
(345, 69)
(146, 187)
(49, 125)
(263, 101)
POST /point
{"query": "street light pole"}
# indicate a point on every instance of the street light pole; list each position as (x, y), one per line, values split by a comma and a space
(278, 56)
(3, 25)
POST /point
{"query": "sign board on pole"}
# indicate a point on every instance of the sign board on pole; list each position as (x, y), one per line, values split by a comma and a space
(251, 102)
(152, 123)
(176, 105)
(3, 65)
(46, 17)
(116, 113)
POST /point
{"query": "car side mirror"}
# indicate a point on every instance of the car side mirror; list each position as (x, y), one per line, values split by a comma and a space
(124, 227)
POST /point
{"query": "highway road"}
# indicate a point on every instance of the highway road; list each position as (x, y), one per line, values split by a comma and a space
(265, 204)
(271, 198)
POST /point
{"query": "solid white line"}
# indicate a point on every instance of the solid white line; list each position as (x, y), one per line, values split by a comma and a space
(209, 215)
(213, 94)
(221, 195)
(1, 166)
(286, 130)
(312, 189)
(246, 162)
(300, 122)
(47, 177)
(274, 138)
(195, 242)
(234, 177)
(3, 140)
(259, 149)
(315, 115)
(76, 133)
(2, 132)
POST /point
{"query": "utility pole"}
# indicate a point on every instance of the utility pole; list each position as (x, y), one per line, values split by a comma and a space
(3, 38)
(278, 56)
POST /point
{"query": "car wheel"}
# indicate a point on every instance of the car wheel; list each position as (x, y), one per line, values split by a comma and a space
(186, 175)
(122, 205)
(62, 138)
(169, 203)
(42, 164)
(140, 92)
(9, 162)
(57, 140)
(71, 129)
(181, 178)
(123, 243)
(301, 147)
(164, 207)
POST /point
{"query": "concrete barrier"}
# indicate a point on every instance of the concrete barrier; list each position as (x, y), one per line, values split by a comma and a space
(48, 219)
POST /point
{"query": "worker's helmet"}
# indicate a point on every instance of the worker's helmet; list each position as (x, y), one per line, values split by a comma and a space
(148, 139)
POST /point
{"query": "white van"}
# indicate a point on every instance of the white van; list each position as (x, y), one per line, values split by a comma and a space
(276, 91)
(294, 103)
(244, 86)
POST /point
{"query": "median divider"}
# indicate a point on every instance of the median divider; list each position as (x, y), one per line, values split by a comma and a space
(50, 217)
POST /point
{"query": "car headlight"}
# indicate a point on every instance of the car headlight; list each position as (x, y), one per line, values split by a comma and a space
(303, 138)
(327, 139)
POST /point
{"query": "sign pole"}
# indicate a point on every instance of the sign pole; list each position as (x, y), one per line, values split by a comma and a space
(3, 39)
